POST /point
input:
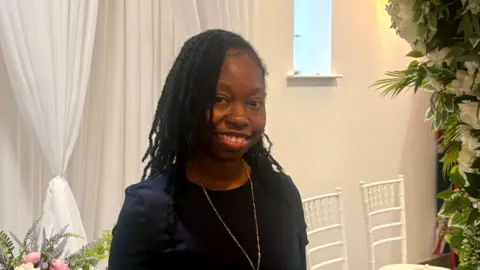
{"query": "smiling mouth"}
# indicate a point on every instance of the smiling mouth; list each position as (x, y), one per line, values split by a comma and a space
(235, 139)
(234, 142)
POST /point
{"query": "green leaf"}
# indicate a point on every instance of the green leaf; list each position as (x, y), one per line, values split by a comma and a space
(432, 20)
(417, 11)
(422, 29)
(419, 82)
(456, 178)
(7, 246)
(397, 81)
(430, 113)
(456, 240)
(450, 146)
(449, 208)
(445, 194)
(469, 58)
(473, 216)
(475, 23)
(454, 205)
(466, 27)
(449, 103)
(433, 70)
(474, 41)
(448, 238)
(455, 52)
(459, 219)
(473, 189)
(415, 54)
(413, 64)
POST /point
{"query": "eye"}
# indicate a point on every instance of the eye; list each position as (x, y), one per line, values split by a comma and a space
(255, 103)
(221, 100)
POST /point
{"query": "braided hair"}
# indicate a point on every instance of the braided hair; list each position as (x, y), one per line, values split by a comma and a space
(189, 91)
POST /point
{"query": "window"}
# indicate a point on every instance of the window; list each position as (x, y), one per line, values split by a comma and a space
(312, 37)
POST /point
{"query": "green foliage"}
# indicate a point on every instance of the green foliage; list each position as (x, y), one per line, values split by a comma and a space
(92, 253)
(52, 248)
(398, 81)
(450, 35)
(7, 247)
(415, 54)
(30, 242)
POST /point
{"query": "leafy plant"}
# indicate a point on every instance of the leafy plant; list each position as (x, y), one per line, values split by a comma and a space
(51, 249)
(445, 37)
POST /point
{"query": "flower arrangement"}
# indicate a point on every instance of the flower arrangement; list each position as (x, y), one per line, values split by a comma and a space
(49, 254)
(444, 36)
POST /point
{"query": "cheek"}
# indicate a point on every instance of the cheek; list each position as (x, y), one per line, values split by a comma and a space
(258, 123)
(215, 118)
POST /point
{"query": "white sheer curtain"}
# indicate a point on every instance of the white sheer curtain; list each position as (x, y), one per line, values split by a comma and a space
(126, 81)
(47, 47)
(136, 43)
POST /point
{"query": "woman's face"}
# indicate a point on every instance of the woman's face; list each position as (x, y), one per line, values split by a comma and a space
(239, 115)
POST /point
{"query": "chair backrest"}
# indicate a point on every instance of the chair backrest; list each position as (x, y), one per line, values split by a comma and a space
(325, 213)
(380, 198)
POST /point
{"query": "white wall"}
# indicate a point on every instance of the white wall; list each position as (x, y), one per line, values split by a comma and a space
(337, 135)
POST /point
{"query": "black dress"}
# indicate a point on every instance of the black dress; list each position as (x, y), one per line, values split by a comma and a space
(202, 242)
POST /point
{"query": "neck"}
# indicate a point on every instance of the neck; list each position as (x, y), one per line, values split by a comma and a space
(215, 174)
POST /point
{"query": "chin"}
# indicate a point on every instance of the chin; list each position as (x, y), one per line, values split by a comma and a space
(227, 156)
(220, 154)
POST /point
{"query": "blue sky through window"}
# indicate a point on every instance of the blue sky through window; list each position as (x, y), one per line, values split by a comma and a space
(312, 37)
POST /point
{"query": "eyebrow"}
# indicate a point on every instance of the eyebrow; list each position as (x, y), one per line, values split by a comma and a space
(256, 90)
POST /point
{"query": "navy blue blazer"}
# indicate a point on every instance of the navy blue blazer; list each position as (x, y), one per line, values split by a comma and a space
(139, 238)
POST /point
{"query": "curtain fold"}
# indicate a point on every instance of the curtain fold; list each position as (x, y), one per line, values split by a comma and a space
(47, 47)
(129, 65)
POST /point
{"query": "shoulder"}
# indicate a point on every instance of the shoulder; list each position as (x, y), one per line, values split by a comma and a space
(140, 226)
(287, 183)
(284, 187)
(145, 208)
(150, 194)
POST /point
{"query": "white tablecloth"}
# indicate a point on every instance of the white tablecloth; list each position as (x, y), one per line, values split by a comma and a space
(411, 267)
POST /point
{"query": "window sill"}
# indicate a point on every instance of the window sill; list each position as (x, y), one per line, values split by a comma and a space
(314, 76)
(315, 80)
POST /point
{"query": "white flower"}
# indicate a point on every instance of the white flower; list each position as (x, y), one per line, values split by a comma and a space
(433, 82)
(472, 67)
(437, 57)
(466, 157)
(465, 160)
(408, 31)
(401, 12)
(419, 46)
(472, 5)
(27, 266)
(475, 202)
(468, 141)
(468, 114)
(463, 82)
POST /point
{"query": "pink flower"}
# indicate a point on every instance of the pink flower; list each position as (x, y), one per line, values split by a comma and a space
(33, 258)
(58, 265)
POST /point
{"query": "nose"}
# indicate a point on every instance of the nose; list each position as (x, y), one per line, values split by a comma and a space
(237, 119)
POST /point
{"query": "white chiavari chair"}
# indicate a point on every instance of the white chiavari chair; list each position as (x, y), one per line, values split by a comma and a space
(324, 213)
(387, 197)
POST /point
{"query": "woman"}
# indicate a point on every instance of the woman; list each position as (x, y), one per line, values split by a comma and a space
(214, 197)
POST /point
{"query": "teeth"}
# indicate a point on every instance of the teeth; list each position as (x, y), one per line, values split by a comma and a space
(232, 138)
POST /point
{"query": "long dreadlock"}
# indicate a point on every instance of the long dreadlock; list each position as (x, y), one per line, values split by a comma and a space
(189, 91)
